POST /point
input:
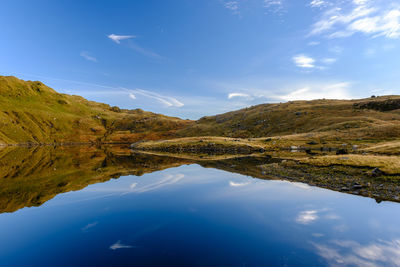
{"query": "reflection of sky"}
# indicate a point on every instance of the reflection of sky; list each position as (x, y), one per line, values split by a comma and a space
(191, 215)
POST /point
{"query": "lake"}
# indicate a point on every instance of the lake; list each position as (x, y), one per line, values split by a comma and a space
(110, 206)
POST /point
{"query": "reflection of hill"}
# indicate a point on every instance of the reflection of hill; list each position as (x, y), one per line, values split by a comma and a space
(32, 176)
(352, 180)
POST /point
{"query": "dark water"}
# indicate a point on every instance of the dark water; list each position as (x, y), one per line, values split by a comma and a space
(186, 215)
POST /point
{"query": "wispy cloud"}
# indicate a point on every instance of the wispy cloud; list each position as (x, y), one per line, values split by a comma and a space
(118, 38)
(141, 50)
(86, 55)
(275, 6)
(318, 3)
(232, 6)
(304, 61)
(119, 245)
(167, 101)
(307, 62)
(371, 18)
(329, 91)
(233, 95)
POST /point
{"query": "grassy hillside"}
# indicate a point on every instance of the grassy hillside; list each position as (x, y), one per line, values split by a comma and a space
(372, 118)
(31, 112)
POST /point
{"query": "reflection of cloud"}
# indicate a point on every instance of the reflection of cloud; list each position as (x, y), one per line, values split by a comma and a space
(347, 252)
(167, 180)
(231, 183)
(341, 228)
(332, 216)
(88, 226)
(307, 216)
(118, 245)
(317, 235)
(301, 185)
(133, 185)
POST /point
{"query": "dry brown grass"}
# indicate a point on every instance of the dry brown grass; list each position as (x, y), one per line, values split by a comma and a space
(388, 164)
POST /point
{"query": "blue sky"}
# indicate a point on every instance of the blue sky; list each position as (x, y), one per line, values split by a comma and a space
(192, 58)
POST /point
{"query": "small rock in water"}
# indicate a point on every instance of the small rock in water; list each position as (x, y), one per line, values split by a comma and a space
(344, 188)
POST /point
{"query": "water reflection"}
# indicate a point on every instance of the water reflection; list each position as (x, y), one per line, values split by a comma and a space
(30, 176)
(173, 212)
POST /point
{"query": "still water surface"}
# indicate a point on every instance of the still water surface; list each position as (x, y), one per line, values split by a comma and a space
(190, 215)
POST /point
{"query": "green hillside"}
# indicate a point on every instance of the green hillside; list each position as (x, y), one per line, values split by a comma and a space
(31, 112)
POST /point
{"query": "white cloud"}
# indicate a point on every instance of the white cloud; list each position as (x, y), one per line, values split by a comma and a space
(119, 245)
(330, 91)
(307, 216)
(318, 3)
(234, 184)
(118, 38)
(132, 96)
(167, 101)
(232, 95)
(304, 61)
(86, 55)
(371, 18)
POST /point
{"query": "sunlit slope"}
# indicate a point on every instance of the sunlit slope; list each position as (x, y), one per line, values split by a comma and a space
(377, 117)
(31, 112)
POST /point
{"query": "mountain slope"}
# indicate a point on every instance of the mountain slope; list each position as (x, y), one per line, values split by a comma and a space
(31, 112)
(375, 118)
